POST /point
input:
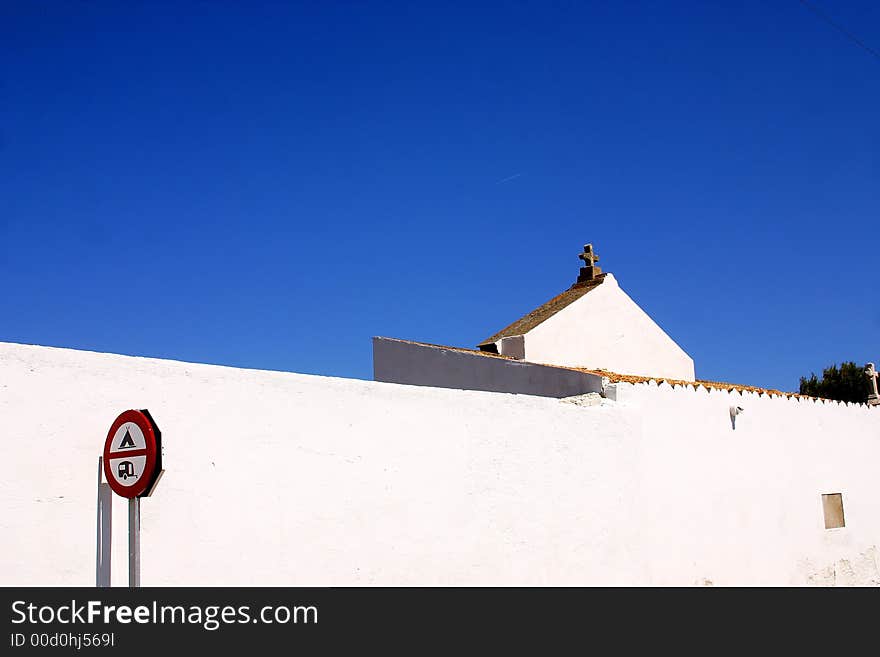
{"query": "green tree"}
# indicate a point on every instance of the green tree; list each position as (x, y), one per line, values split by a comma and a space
(846, 383)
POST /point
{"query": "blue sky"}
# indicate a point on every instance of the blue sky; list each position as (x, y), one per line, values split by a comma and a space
(270, 184)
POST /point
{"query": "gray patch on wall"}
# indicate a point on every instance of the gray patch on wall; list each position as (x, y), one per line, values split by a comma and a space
(418, 364)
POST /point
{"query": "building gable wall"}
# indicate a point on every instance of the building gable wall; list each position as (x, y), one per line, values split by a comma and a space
(606, 329)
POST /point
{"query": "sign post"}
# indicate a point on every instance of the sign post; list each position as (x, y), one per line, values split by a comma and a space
(133, 466)
(105, 530)
(134, 542)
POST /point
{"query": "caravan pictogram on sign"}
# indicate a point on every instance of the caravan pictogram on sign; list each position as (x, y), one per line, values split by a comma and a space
(133, 454)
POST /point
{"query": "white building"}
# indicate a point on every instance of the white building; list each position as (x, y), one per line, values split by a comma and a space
(591, 328)
(595, 325)
(275, 478)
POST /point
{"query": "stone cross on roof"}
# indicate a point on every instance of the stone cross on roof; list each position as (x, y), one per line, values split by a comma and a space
(871, 374)
(590, 270)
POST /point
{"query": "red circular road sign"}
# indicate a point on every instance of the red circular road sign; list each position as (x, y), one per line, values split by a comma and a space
(133, 454)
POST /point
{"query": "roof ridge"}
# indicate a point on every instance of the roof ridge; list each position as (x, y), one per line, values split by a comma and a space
(545, 311)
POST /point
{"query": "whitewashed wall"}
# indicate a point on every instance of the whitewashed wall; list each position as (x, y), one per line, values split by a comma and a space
(606, 329)
(744, 506)
(287, 479)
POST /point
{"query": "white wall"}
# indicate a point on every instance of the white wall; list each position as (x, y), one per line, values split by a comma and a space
(744, 506)
(606, 329)
(287, 479)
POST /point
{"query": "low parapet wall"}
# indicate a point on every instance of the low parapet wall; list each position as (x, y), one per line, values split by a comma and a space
(419, 364)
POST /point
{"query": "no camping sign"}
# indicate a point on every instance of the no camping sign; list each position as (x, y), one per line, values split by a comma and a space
(133, 454)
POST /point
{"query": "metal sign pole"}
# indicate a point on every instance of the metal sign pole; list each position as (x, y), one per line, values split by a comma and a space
(134, 542)
(105, 531)
(98, 524)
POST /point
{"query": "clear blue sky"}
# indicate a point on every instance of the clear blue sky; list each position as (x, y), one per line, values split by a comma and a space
(270, 184)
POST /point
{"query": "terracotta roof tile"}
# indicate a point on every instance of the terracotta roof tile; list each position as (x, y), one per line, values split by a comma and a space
(475, 352)
(544, 312)
(615, 377)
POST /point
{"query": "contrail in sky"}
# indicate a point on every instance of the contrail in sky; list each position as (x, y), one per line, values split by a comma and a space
(504, 180)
